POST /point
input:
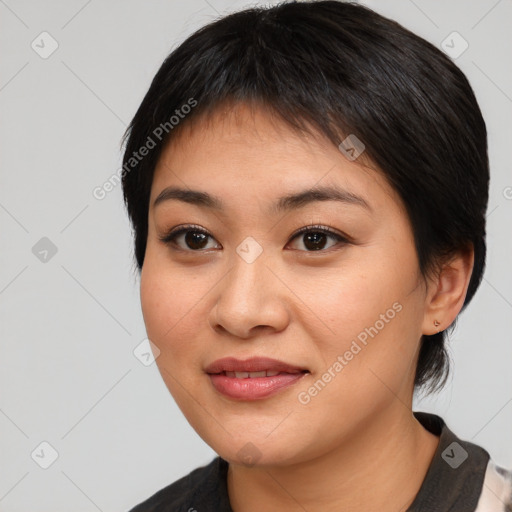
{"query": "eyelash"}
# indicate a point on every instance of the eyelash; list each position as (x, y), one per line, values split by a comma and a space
(170, 237)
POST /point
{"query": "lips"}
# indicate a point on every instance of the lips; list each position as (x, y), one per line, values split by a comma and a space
(256, 378)
(252, 368)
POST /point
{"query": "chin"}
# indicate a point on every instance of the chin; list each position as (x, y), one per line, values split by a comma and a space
(256, 451)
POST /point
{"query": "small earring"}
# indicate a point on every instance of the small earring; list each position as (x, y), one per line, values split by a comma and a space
(436, 323)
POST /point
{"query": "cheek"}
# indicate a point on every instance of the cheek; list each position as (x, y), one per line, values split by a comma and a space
(169, 298)
(169, 302)
(352, 298)
(374, 313)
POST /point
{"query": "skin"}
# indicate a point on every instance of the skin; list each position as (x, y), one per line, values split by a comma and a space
(356, 445)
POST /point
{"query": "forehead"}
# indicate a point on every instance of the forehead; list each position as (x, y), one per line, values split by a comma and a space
(248, 151)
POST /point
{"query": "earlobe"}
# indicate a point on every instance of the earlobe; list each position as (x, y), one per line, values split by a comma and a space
(446, 293)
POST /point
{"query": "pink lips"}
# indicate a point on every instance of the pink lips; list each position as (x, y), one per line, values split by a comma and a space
(232, 377)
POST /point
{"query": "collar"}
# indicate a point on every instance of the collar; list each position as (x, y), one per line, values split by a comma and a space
(455, 477)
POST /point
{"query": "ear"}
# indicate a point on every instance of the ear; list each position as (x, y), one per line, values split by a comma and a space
(447, 291)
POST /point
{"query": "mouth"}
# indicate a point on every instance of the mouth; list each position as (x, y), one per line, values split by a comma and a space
(253, 379)
(252, 368)
(255, 375)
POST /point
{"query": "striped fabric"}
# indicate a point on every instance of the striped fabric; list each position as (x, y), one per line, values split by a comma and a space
(496, 495)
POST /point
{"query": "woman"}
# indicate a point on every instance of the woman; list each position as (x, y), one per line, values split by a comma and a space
(308, 186)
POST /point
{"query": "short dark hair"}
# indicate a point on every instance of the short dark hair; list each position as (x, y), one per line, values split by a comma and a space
(341, 69)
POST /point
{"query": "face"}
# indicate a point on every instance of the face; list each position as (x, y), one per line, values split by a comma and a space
(342, 302)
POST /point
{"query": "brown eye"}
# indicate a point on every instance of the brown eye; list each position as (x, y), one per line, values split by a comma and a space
(315, 238)
(194, 239)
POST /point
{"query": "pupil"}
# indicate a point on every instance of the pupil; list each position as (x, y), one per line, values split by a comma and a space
(316, 239)
(195, 240)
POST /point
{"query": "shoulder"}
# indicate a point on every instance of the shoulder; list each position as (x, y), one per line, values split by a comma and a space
(462, 476)
(496, 493)
(203, 485)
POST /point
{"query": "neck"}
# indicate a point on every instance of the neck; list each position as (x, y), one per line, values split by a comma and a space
(381, 467)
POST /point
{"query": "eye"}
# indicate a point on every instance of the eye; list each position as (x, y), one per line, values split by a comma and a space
(314, 238)
(195, 238)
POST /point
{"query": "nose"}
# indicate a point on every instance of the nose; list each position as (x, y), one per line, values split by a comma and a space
(251, 299)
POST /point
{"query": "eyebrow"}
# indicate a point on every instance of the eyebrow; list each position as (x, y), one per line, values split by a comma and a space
(286, 203)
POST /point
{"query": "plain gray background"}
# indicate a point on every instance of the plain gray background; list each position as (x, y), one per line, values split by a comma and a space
(70, 321)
